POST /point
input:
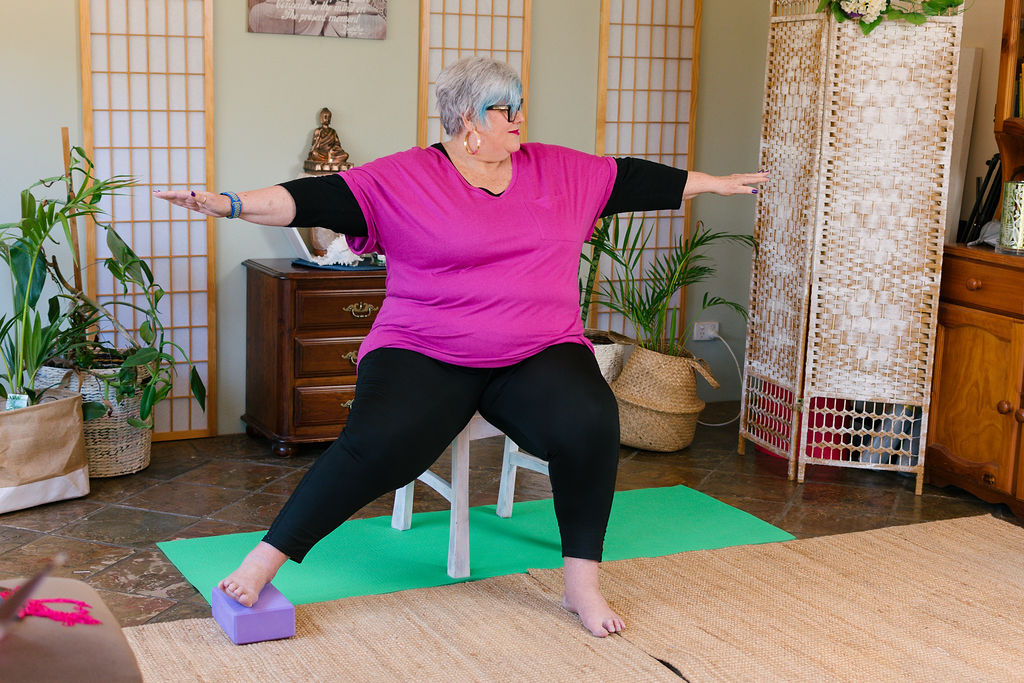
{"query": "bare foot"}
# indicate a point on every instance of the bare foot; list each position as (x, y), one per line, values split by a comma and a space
(583, 598)
(256, 571)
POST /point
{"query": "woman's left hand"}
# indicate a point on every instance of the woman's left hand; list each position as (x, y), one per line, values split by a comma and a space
(725, 185)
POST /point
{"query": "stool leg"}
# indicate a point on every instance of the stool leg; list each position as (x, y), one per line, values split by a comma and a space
(507, 485)
(458, 530)
(401, 514)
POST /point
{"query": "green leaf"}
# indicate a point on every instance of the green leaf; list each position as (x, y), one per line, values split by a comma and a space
(867, 28)
(823, 5)
(147, 402)
(198, 388)
(92, 410)
(146, 332)
(29, 269)
(838, 13)
(141, 357)
(138, 424)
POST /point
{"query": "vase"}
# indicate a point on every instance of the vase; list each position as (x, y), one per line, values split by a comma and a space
(658, 402)
(42, 452)
(113, 446)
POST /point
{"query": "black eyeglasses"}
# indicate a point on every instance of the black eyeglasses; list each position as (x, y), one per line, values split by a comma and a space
(510, 111)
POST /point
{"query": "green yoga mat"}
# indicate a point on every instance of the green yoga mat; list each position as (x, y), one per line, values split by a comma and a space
(368, 557)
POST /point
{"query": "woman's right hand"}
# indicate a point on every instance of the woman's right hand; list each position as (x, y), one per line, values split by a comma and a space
(206, 203)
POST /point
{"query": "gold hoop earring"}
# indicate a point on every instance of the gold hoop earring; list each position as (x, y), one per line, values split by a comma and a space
(465, 142)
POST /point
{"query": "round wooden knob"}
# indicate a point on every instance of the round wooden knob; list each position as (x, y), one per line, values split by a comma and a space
(973, 284)
(989, 478)
(1019, 416)
(1004, 407)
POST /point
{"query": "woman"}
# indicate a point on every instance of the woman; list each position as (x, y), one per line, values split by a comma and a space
(483, 236)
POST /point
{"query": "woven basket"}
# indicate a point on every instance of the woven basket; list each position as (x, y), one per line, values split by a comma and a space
(658, 402)
(113, 446)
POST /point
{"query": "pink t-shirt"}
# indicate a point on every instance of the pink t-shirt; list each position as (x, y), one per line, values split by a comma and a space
(475, 279)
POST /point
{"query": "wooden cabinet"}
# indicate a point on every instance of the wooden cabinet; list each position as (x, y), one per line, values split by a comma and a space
(977, 418)
(303, 330)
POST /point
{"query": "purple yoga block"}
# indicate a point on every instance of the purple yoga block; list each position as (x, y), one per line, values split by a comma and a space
(272, 616)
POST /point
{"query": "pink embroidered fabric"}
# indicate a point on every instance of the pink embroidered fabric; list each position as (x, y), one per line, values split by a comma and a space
(79, 613)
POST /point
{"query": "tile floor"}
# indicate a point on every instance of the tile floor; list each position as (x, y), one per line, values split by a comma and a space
(233, 483)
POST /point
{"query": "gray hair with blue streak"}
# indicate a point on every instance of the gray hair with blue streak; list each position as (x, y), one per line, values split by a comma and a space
(472, 84)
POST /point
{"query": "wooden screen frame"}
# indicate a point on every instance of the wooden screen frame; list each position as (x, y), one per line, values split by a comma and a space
(423, 105)
(602, 122)
(92, 285)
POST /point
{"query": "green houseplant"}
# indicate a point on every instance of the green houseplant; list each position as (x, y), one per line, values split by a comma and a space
(656, 391)
(42, 452)
(129, 371)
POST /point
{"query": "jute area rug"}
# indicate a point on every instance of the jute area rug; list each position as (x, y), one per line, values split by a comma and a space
(941, 601)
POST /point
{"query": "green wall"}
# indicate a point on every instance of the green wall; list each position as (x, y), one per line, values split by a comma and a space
(269, 88)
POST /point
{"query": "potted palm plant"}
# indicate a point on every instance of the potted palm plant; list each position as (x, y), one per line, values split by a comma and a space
(657, 389)
(42, 451)
(129, 371)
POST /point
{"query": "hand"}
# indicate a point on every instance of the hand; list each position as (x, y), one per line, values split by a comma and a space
(725, 185)
(206, 203)
(738, 183)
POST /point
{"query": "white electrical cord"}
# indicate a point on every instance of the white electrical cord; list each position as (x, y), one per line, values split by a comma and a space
(737, 362)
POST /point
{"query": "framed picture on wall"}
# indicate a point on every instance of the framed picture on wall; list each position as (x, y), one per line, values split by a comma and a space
(330, 18)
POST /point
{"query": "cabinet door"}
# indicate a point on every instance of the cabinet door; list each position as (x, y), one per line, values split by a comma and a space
(976, 393)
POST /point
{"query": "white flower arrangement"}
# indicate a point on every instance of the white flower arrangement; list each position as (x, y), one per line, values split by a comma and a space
(870, 13)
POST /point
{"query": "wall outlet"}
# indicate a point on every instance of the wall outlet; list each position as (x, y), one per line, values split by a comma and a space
(705, 331)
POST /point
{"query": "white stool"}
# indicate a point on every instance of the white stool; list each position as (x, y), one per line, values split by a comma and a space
(456, 491)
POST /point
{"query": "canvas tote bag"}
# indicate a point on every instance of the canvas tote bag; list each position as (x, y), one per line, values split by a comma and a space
(42, 452)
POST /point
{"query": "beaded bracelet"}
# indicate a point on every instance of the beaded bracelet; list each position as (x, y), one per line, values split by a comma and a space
(236, 204)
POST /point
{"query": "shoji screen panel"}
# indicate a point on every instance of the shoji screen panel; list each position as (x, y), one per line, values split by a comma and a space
(148, 109)
(647, 98)
(453, 29)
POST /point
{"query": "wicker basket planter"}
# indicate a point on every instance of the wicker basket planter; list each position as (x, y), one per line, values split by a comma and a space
(658, 402)
(610, 351)
(113, 446)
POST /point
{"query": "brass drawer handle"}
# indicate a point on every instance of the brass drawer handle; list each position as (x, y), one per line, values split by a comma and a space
(360, 310)
(351, 356)
(973, 284)
(989, 478)
(348, 403)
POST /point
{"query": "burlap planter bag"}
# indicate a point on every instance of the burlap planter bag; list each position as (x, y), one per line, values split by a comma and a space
(113, 447)
(658, 402)
(42, 452)
(610, 351)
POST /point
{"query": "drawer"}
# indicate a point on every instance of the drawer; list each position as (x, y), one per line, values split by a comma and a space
(345, 310)
(983, 285)
(322, 405)
(330, 357)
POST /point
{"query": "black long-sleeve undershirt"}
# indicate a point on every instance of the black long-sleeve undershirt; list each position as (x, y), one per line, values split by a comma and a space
(640, 185)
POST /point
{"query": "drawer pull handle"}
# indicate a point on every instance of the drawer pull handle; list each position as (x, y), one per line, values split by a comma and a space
(1019, 416)
(351, 356)
(348, 403)
(361, 309)
(1003, 407)
(989, 478)
(973, 284)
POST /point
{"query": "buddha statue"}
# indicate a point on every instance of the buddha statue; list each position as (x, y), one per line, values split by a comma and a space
(326, 155)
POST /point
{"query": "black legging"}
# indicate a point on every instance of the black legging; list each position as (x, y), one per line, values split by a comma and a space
(408, 408)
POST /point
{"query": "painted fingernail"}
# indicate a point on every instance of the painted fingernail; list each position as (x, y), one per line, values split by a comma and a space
(193, 194)
(754, 191)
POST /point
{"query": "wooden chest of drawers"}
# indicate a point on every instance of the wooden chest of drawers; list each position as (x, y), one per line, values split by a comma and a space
(977, 415)
(303, 330)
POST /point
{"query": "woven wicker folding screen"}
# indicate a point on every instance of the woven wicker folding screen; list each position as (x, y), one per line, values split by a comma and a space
(857, 132)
